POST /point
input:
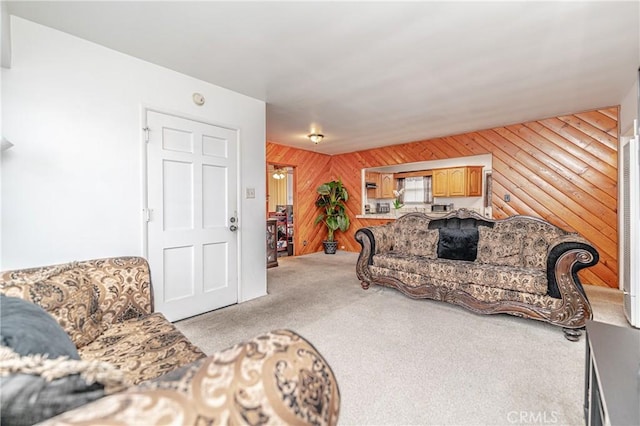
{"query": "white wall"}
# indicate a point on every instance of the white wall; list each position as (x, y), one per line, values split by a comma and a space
(72, 184)
(3, 27)
(4, 42)
(628, 113)
(629, 110)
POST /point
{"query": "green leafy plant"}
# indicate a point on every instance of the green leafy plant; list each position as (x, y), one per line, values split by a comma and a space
(396, 203)
(331, 198)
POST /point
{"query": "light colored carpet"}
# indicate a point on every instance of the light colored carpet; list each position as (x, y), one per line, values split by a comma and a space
(404, 361)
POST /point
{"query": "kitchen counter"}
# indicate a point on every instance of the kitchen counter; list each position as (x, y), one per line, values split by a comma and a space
(392, 215)
(376, 216)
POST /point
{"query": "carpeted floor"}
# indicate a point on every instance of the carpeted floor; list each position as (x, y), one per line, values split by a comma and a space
(420, 362)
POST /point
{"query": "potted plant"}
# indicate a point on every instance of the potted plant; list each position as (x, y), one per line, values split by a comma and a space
(331, 198)
(397, 203)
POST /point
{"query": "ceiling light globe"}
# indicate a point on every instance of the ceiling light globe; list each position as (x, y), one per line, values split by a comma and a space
(315, 137)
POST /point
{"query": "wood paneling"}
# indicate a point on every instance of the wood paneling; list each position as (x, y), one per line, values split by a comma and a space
(563, 169)
(310, 171)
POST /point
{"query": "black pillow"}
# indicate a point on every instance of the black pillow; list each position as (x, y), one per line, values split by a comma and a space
(28, 329)
(458, 244)
(28, 398)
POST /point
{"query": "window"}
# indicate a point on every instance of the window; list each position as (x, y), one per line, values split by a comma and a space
(416, 190)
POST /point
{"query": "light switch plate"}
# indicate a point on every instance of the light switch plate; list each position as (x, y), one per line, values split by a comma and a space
(251, 193)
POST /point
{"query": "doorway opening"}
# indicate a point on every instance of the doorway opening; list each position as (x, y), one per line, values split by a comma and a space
(280, 205)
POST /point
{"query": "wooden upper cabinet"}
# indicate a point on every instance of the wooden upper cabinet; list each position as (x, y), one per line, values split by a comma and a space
(474, 181)
(387, 186)
(457, 182)
(440, 183)
(373, 177)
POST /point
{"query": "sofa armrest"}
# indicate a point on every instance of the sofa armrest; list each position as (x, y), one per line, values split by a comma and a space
(274, 378)
(122, 286)
(375, 239)
(567, 255)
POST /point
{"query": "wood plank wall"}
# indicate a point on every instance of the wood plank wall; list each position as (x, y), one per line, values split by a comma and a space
(563, 169)
(311, 169)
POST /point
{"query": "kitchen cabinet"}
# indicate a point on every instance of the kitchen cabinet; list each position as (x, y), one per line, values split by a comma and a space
(384, 182)
(387, 185)
(458, 182)
(474, 181)
(440, 183)
(373, 177)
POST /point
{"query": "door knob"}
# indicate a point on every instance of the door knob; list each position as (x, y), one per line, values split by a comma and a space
(233, 228)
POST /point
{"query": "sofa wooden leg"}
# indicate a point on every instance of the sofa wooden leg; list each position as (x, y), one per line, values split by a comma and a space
(572, 334)
(364, 284)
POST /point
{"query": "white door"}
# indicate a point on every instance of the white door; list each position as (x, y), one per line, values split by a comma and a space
(192, 202)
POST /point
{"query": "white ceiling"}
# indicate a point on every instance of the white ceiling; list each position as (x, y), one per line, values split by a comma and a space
(381, 73)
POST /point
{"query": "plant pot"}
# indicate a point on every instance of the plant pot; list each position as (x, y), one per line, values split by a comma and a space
(330, 247)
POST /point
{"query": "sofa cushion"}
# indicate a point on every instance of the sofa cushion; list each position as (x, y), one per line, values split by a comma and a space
(28, 329)
(424, 243)
(499, 248)
(123, 286)
(441, 269)
(537, 236)
(406, 230)
(525, 280)
(67, 294)
(483, 293)
(145, 348)
(535, 247)
(458, 244)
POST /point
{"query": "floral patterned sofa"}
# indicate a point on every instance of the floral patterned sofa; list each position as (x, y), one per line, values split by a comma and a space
(521, 265)
(81, 342)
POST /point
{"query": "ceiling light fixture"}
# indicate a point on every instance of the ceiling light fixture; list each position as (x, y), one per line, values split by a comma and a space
(315, 137)
(279, 174)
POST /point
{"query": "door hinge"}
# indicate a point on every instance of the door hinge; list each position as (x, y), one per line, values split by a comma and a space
(147, 215)
(146, 133)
